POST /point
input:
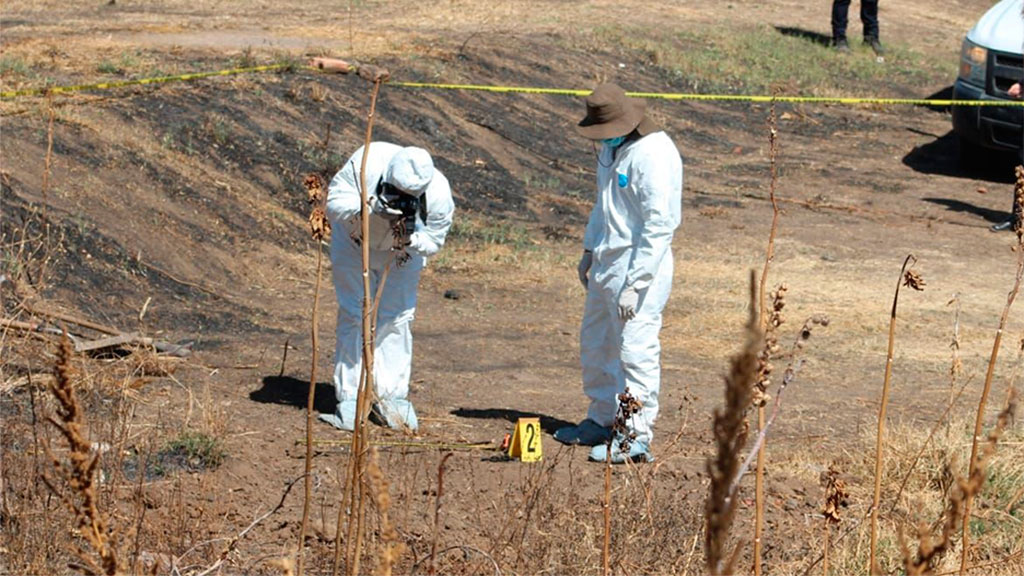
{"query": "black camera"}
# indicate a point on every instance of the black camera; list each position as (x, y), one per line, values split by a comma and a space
(410, 206)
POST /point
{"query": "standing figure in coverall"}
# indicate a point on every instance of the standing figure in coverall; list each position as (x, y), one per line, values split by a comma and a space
(626, 270)
(411, 211)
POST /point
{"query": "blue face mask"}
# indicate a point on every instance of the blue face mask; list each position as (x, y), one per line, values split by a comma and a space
(614, 142)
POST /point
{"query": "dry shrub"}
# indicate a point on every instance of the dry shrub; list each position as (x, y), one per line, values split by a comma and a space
(730, 431)
(75, 481)
(930, 550)
(926, 500)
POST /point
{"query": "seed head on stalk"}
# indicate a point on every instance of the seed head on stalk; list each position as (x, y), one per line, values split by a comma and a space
(1018, 205)
(319, 225)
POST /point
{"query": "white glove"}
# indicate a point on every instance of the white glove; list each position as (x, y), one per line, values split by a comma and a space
(415, 242)
(379, 208)
(628, 300)
(583, 269)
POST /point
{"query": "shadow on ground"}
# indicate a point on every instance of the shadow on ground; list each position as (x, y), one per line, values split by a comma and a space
(993, 216)
(547, 423)
(808, 35)
(294, 392)
(942, 156)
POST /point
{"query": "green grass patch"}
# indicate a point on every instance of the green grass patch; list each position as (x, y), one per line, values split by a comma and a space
(193, 450)
(14, 66)
(500, 232)
(760, 59)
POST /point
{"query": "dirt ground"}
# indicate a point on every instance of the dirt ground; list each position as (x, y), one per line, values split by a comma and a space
(185, 200)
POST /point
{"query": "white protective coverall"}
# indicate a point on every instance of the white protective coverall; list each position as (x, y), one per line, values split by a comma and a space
(393, 355)
(638, 208)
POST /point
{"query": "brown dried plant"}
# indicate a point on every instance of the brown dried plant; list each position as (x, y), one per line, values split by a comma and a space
(1018, 205)
(79, 475)
(836, 498)
(930, 550)
(628, 406)
(320, 229)
(391, 547)
(795, 363)
(432, 567)
(730, 431)
(760, 396)
(319, 225)
(356, 504)
(907, 278)
(1018, 226)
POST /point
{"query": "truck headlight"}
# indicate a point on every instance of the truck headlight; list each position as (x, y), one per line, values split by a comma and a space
(972, 63)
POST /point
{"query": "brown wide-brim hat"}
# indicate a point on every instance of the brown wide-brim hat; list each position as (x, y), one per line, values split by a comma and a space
(610, 114)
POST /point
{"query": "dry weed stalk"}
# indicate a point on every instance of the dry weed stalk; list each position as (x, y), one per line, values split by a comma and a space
(730, 431)
(930, 550)
(1018, 227)
(835, 498)
(47, 163)
(760, 397)
(391, 548)
(628, 406)
(79, 473)
(796, 362)
(432, 567)
(360, 440)
(912, 279)
(320, 229)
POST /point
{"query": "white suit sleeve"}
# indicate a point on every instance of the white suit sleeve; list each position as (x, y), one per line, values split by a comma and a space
(428, 239)
(343, 199)
(659, 188)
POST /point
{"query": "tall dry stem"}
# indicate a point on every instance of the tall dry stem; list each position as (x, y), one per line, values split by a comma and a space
(320, 229)
(730, 431)
(1018, 228)
(912, 279)
(432, 567)
(360, 442)
(773, 150)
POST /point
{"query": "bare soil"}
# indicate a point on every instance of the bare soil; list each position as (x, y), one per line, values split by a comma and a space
(188, 196)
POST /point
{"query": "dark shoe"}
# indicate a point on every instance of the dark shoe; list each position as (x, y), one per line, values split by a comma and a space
(841, 45)
(1002, 226)
(875, 44)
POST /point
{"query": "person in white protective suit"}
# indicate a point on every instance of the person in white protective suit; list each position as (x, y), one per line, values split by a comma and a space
(411, 211)
(626, 269)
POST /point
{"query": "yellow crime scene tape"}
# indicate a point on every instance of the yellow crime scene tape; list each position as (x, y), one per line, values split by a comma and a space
(677, 96)
(717, 97)
(140, 81)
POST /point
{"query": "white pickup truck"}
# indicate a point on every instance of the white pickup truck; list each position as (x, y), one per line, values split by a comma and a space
(991, 61)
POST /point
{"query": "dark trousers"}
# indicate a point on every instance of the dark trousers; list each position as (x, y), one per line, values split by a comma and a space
(868, 15)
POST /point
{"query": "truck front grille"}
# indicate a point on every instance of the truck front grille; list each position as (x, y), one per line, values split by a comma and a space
(1005, 70)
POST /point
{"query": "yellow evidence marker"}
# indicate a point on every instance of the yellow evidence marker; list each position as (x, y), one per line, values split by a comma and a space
(526, 442)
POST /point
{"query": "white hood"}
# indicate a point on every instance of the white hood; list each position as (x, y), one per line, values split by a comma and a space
(1001, 28)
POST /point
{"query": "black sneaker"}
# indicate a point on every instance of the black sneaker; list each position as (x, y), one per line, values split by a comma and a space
(841, 45)
(875, 44)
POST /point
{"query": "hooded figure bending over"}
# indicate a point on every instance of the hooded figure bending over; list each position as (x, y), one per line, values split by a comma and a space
(410, 213)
